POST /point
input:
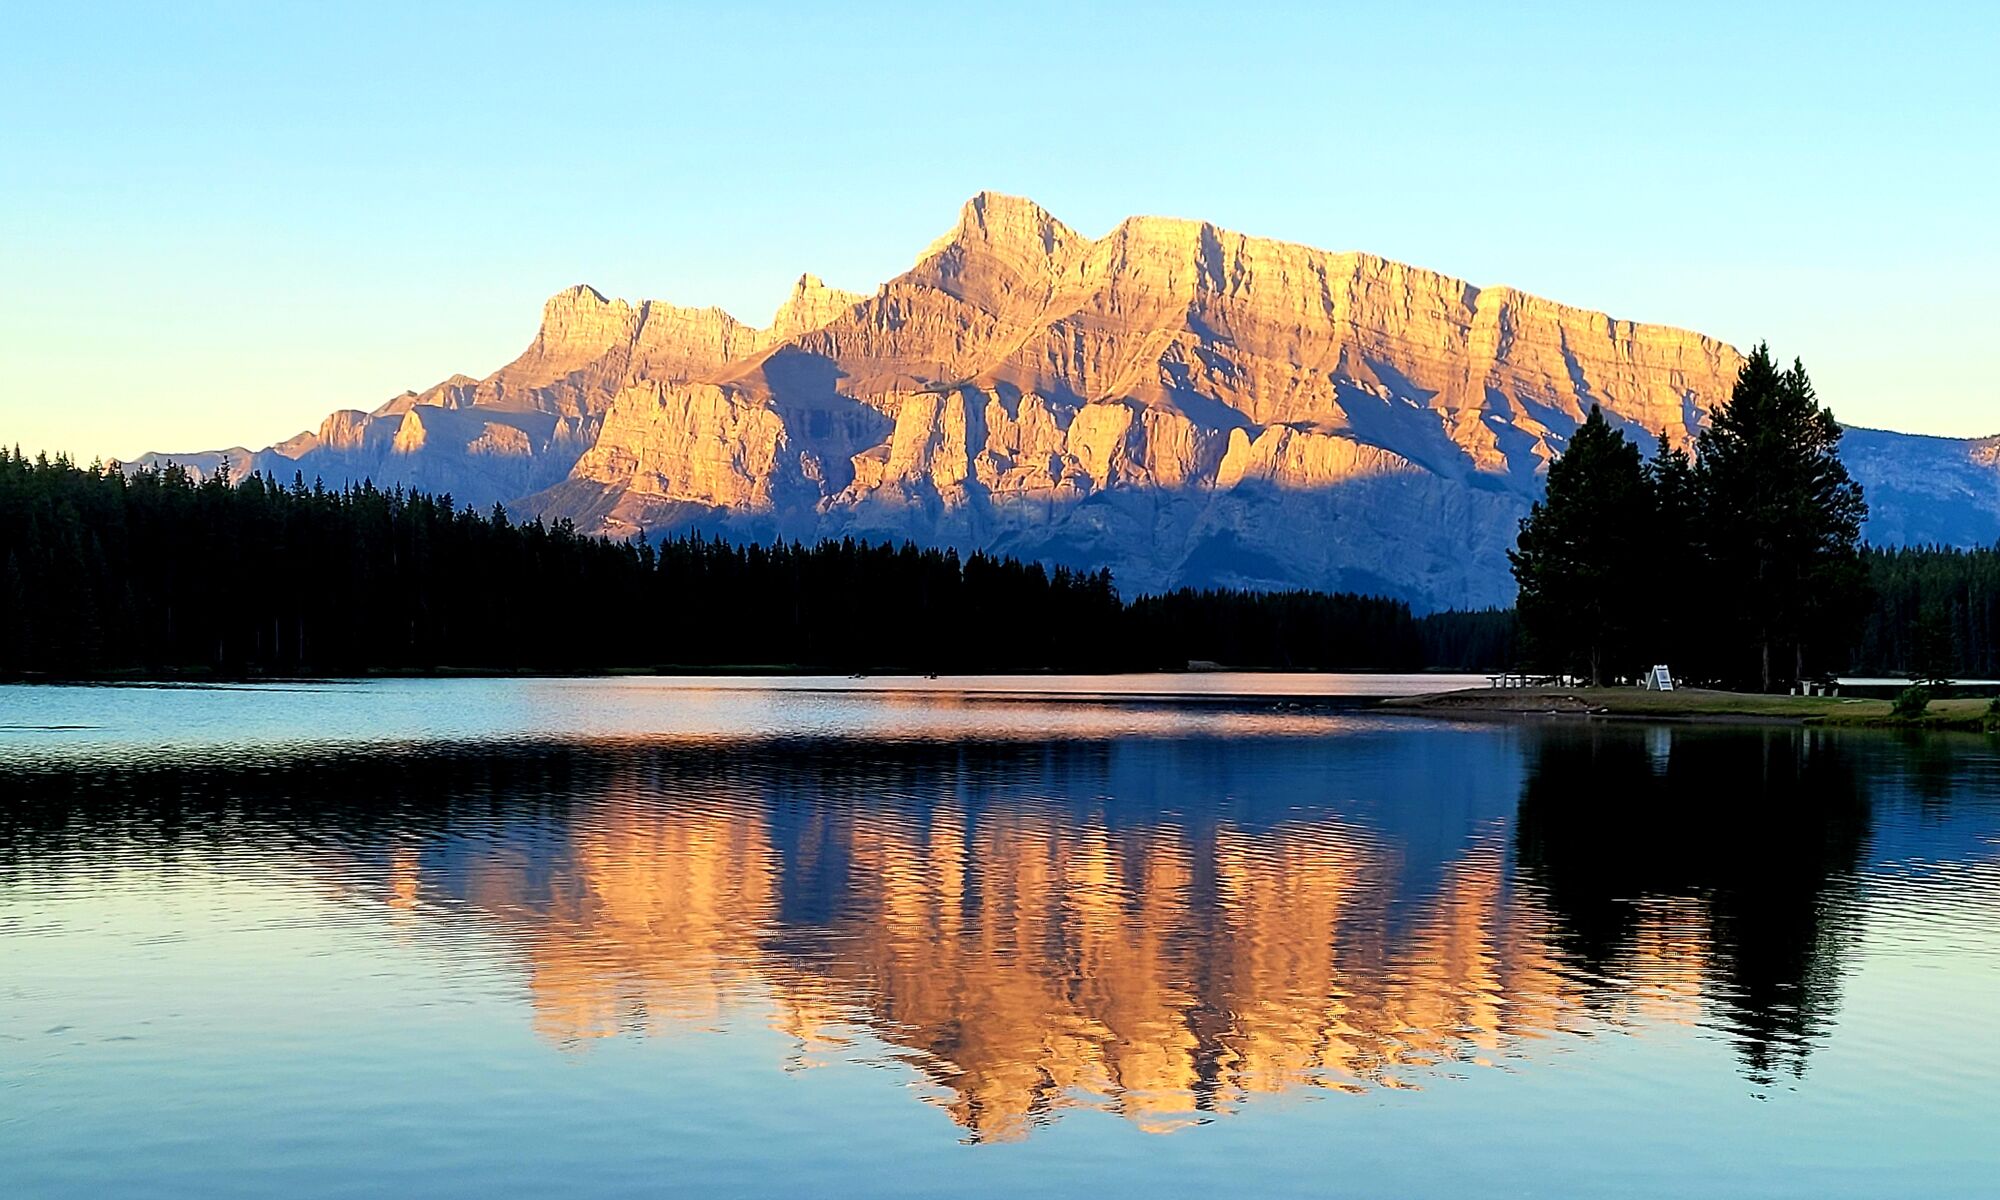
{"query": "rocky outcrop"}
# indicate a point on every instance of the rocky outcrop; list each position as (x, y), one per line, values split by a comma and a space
(1187, 404)
(1184, 404)
(521, 429)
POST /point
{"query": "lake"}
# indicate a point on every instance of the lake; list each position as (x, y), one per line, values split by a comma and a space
(1146, 936)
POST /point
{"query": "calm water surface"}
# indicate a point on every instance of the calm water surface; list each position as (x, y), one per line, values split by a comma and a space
(1027, 937)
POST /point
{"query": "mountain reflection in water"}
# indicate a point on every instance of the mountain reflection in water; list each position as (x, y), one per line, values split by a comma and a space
(1166, 928)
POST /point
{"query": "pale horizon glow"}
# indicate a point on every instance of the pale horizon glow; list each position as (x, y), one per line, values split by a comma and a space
(221, 223)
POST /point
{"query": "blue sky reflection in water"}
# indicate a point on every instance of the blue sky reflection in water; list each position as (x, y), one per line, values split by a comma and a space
(745, 941)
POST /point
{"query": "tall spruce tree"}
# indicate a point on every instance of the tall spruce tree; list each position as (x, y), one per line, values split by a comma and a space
(1680, 581)
(1783, 520)
(1581, 558)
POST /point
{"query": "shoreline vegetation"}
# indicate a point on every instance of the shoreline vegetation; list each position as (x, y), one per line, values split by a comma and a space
(1755, 527)
(1968, 714)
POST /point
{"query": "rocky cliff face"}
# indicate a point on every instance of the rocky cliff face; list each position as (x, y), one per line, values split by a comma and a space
(1184, 404)
(522, 428)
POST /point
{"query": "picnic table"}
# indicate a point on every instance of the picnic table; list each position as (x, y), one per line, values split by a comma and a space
(1521, 679)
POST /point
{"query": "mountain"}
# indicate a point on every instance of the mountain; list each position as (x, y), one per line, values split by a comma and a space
(1183, 404)
(1927, 490)
(521, 429)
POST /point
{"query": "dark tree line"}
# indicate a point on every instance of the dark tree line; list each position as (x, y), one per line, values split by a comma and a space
(1476, 640)
(1315, 631)
(160, 574)
(861, 606)
(1740, 563)
(1935, 614)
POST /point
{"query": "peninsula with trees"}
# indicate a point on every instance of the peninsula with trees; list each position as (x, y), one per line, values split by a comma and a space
(1740, 567)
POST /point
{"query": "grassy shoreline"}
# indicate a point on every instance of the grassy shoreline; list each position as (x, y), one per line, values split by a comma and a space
(1700, 705)
(1694, 704)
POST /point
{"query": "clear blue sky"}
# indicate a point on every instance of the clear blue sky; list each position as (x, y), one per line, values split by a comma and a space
(217, 223)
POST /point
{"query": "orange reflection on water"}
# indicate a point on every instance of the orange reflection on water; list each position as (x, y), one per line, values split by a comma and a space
(650, 924)
(1028, 961)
